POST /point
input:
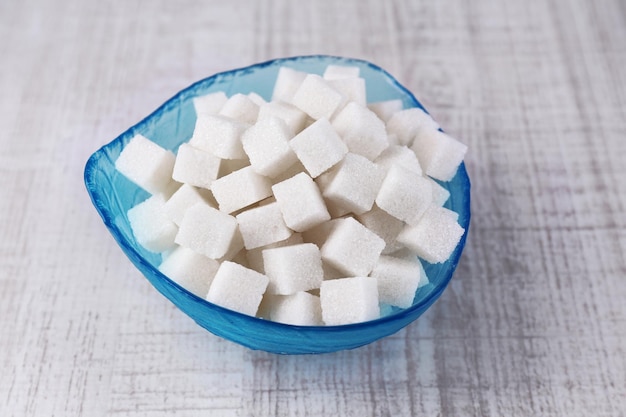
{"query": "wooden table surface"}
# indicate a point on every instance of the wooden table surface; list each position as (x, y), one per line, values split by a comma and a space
(534, 322)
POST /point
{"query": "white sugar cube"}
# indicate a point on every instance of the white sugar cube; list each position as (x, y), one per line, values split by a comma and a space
(384, 225)
(287, 83)
(210, 103)
(242, 108)
(316, 98)
(355, 183)
(300, 202)
(434, 237)
(337, 72)
(439, 154)
(440, 194)
(190, 270)
(237, 288)
(231, 165)
(404, 194)
(219, 135)
(255, 256)
(290, 114)
(240, 189)
(352, 89)
(146, 164)
(399, 155)
(262, 225)
(361, 130)
(186, 196)
(207, 231)
(293, 170)
(320, 233)
(299, 309)
(406, 124)
(267, 145)
(195, 167)
(293, 268)
(385, 109)
(257, 99)
(398, 279)
(352, 248)
(150, 225)
(349, 300)
(318, 147)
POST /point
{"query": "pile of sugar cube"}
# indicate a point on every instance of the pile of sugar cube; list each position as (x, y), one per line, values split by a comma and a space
(311, 209)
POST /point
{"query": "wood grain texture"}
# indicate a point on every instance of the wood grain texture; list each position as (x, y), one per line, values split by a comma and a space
(534, 322)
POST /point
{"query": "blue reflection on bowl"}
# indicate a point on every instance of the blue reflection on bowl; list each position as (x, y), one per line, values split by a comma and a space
(172, 124)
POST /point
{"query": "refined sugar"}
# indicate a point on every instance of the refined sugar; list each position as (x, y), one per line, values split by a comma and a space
(406, 123)
(300, 202)
(331, 272)
(207, 231)
(287, 83)
(320, 233)
(210, 103)
(195, 167)
(219, 135)
(398, 279)
(440, 194)
(185, 197)
(337, 72)
(434, 237)
(361, 130)
(267, 145)
(404, 194)
(352, 89)
(190, 270)
(399, 155)
(384, 225)
(352, 248)
(299, 309)
(293, 170)
(240, 107)
(385, 109)
(262, 225)
(234, 249)
(237, 288)
(318, 147)
(335, 210)
(150, 225)
(257, 99)
(349, 300)
(255, 256)
(355, 183)
(231, 165)
(316, 98)
(439, 154)
(240, 189)
(293, 268)
(146, 164)
(290, 114)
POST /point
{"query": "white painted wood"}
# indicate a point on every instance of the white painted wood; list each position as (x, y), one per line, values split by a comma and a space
(534, 322)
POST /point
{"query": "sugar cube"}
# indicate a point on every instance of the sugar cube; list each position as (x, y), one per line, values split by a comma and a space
(299, 309)
(320, 233)
(190, 270)
(267, 145)
(397, 279)
(399, 155)
(237, 288)
(255, 256)
(318, 147)
(290, 114)
(406, 124)
(219, 135)
(440, 194)
(355, 183)
(146, 164)
(434, 237)
(361, 130)
(385, 109)
(210, 103)
(316, 98)
(337, 72)
(195, 167)
(439, 154)
(404, 194)
(352, 248)
(185, 197)
(349, 300)
(207, 231)
(352, 89)
(300, 202)
(256, 99)
(262, 225)
(287, 83)
(242, 108)
(293, 268)
(150, 225)
(384, 225)
(240, 189)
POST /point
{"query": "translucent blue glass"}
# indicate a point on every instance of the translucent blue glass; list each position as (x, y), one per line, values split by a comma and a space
(172, 124)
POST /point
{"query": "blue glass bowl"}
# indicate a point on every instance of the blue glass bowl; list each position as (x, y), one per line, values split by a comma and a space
(172, 124)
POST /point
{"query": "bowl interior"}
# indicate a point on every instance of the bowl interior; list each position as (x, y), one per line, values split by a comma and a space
(172, 124)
